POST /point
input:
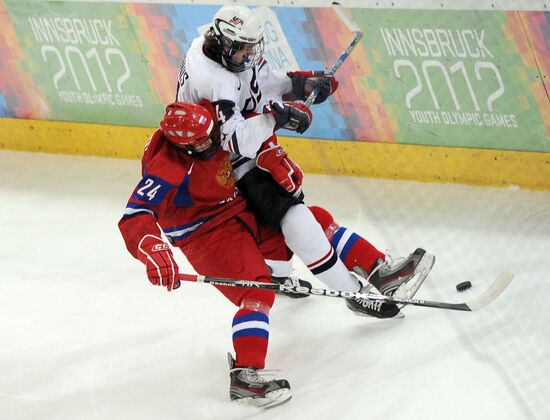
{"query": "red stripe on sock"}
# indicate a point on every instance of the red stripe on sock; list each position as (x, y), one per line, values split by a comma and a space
(322, 260)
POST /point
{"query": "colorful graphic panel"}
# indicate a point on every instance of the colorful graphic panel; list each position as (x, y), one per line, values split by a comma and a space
(452, 78)
(459, 79)
(85, 60)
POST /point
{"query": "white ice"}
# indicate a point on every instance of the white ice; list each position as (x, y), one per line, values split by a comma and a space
(83, 335)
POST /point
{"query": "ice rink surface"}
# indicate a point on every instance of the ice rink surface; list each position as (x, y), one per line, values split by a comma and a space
(85, 336)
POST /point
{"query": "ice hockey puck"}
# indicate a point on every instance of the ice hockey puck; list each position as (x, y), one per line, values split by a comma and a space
(463, 286)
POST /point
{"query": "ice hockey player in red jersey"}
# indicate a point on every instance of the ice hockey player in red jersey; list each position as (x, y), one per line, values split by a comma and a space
(188, 189)
(226, 66)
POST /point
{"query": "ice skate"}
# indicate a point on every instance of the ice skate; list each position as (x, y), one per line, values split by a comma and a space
(388, 277)
(248, 387)
(369, 307)
(291, 281)
(409, 288)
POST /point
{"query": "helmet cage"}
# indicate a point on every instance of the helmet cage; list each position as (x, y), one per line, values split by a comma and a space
(229, 48)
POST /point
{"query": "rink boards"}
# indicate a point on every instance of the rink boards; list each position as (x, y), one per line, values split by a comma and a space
(483, 167)
(446, 95)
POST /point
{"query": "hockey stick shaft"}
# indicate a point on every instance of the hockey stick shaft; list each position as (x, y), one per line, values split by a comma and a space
(357, 35)
(495, 289)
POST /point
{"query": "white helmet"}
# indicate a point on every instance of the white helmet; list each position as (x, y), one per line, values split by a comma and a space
(236, 27)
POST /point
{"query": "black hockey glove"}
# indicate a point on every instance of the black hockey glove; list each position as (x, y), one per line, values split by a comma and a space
(305, 82)
(290, 115)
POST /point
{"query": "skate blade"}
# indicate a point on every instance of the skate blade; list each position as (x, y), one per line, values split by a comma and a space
(408, 290)
(400, 315)
(270, 400)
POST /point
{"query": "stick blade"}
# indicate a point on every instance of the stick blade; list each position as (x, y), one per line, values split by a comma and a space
(346, 20)
(493, 291)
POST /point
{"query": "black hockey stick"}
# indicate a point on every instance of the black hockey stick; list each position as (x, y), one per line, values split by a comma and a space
(357, 35)
(495, 289)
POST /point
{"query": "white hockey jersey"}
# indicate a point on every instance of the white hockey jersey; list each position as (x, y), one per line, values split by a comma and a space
(201, 77)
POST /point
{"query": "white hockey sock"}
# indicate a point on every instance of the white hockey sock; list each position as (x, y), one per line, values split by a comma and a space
(305, 237)
(279, 268)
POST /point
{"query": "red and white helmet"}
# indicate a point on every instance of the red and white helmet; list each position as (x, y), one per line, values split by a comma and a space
(237, 28)
(191, 128)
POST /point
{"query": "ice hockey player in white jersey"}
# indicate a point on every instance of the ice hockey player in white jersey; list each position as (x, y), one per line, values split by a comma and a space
(226, 66)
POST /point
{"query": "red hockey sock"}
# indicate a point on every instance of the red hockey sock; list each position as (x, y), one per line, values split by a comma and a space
(352, 249)
(250, 338)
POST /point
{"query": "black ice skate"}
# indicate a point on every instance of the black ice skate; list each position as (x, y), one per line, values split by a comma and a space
(387, 277)
(291, 281)
(369, 307)
(248, 387)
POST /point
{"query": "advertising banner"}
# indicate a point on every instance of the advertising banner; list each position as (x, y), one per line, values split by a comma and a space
(86, 61)
(458, 79)
(452, 78)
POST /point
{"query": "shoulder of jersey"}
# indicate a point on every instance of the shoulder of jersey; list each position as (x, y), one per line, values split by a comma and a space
(165, 161)
(202, 69)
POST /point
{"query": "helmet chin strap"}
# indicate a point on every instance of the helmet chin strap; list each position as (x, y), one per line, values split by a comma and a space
(231, 66)
(202, 155)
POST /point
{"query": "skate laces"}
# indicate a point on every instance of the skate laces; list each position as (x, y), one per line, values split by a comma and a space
(292, 280)
(253, 375)
(384, 264)
(387, 265)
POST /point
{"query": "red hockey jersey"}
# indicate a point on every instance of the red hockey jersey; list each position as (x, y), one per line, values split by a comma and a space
(185, 196)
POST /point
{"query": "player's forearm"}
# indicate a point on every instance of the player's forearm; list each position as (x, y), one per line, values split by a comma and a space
(275, 83)
(134, 228)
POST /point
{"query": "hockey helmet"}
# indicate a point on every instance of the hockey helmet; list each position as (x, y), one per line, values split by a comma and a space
(240, 35)
(191, 128)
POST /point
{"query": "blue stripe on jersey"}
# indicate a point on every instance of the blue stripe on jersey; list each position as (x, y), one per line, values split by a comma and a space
(179, 232)
(136, 208)
(183, 196)
(252, 332)
(151, 190)
(252, 316)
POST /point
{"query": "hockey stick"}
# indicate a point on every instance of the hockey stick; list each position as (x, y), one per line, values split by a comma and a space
(496, 288)
(357, 35)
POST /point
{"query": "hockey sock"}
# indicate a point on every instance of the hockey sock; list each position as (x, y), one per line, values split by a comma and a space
(305, 237)
(250, 338)
(279, 268)
(354, 251)
(351, 248)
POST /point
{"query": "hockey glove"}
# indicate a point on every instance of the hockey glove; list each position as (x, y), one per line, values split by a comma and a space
(160, 265)
(290, 115)
(305, 82)
(273, 159)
